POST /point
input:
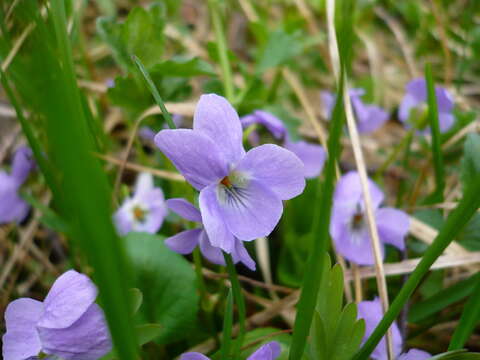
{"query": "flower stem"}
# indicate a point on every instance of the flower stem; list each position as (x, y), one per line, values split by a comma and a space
(239, 300)
(222, 50)
(197, 259)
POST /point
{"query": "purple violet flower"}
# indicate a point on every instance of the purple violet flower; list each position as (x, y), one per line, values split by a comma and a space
(371, 312)
(413, 108)
(145, 211)
(313, 156)
(12, 206)
(348, 225)
(68, 323)
(240, 193)
(186, 241)
(369, 117)
(269, 351)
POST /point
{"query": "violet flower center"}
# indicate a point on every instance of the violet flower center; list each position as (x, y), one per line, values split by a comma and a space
(139, 213)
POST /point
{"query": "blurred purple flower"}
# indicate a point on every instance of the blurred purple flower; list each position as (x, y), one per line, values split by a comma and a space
(145, 211)
(240, 193)
(348, 226)
(371, 312)
(186, 241)
(68, 323)
(369, 117)
(313, 156)
(12, 206)
(269, 351)
(413, 108)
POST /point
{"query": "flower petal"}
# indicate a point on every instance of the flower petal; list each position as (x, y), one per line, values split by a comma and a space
(212, 253)
(371, 312)
(415, 354)
(23, 163)
(408, 103)
(21, 340)
(348, 191)
(444, 99)
(86, 339)
(240, 254)
(313, 156)
(354, 245)
(185, 209)
(212, 219)
(195, 155)
(328, 100)
(193, 356)
(123, 218)
(392, 226)
(446, 121)
(12, 206)
(216, 118)
(184, 242)
(418, 89)
(68, 299)
(269, 351)
(143, 184)
(249, 212)
(276, 168)
(369, 117)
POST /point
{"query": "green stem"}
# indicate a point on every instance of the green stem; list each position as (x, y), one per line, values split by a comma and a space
(197, 260)
(320, 233)
(222, 50)
(436, 141)
(239, 300)
(394, 154)
(227, 327)
(468, 320)
(453, 225)
(402, 185)
(153, 89)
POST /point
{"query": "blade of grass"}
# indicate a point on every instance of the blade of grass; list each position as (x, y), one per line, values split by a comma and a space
(153, 89)
(227, 327)
(468, 320)
(456, 221)
(320, 234)
(84, 192)
(239, 300)
(222, 50)
(442, 299)
(436, 141)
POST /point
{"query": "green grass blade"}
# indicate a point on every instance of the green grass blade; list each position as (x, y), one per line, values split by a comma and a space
(453, 225)
(84, 194)
(153, 89)
(227, 327)
(320, 232)
(446, 297)
(468, 320)
(436, 141)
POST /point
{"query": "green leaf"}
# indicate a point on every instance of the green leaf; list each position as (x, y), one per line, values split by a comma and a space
(470, 165)
(168, 284)
(142, 34)
(147, 332)
(280, 48)
(227, 326)
(336, 332)
(136, 297)
(183, 68)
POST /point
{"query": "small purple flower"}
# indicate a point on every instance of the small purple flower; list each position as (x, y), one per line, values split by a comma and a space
(413, 108)
(145, 211)
(371, 312)
(12, 206)
(269, 351)
(369, 117)
(348, 225)
(186, 241)
(240, 193)
(68, 323)
(313, 156)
